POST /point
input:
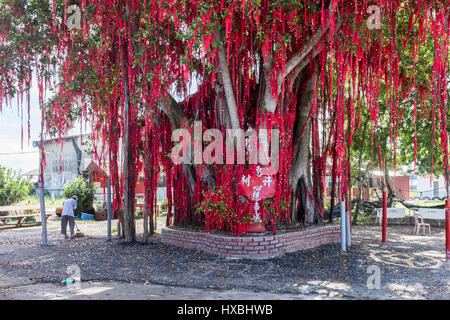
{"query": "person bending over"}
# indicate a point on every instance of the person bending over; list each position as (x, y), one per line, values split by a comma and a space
(68, 216)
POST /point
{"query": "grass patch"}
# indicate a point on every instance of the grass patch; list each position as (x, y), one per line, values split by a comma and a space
(35, 199)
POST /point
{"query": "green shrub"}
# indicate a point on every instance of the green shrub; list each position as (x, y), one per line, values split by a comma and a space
(13, 188)
(32, 190)
(163, 206)
(84, 192)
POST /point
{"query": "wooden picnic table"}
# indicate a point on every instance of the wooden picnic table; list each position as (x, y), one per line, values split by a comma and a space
(19, 215)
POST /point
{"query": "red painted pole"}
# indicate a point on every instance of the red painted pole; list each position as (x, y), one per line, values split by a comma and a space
(384, 221)
(447, 230)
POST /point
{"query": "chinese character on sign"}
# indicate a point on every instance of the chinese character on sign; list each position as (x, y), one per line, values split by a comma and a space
(246, 180)
(256, 187)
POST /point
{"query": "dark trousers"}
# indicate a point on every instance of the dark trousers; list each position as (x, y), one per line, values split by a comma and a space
(64, 221)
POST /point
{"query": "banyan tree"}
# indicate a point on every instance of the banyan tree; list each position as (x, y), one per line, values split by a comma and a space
(137, 71)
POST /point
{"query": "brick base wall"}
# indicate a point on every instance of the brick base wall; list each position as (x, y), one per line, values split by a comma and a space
(257, 247)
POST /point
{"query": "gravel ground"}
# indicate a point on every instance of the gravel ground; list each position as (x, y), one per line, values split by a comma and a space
(411, 266)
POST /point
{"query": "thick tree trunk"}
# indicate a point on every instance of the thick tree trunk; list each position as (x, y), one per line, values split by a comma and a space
(227, 83)
(176, 115)
(359, 195)
(390, 192)
(333, 185)
(300, 176)
(114, 168)
(145, 223)
(148, 177)
(128, 163)
(114, 134)
(319, 170)
(360, 184)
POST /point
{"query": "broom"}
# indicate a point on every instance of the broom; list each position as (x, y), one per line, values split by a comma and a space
(78, 234)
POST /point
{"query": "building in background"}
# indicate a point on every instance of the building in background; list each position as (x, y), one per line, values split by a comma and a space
(161, 193)
(428, 187)
(32, 175)
(71, 158)
(371, 186)
(400, 186)
(65, 161)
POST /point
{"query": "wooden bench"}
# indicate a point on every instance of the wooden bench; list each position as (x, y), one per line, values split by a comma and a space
(392, 213)
(18, 210)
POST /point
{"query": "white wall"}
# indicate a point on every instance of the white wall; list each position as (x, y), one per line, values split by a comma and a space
(425, 189)
(65, 158)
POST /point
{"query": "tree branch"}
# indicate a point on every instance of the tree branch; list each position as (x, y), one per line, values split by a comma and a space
(173, 112)
(297, 62)
(297, 58)
(300, 55)
(227, 83)
(299, 68)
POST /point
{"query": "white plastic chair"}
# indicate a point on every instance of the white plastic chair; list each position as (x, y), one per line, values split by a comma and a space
(420, 224)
